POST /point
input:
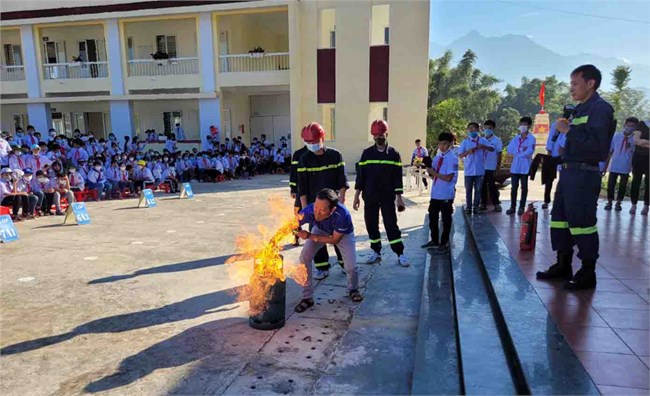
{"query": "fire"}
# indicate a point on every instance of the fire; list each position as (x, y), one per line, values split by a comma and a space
(259, 262)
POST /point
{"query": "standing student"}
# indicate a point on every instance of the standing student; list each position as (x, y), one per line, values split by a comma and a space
(521, 148)
(621, 152)
(492, 166)
(443, 170)
(640, 166)
(472, 151)
(418, 154)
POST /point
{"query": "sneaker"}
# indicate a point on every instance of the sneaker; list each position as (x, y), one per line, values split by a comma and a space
(403, 261)
(608, 206)
(497, 208)
(520, 211)
(374, 258)
(59, 213)
(545, 205)
(510, 211)
(479, 210)
(633, 209)
(321, 274)
(430, 245)
(618, 207)
(443, 249)
(645, 210)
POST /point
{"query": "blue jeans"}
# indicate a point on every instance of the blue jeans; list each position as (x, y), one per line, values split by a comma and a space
(473, 184)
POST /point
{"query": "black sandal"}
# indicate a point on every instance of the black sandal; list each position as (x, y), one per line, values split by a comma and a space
(356, 296)
(304, 304)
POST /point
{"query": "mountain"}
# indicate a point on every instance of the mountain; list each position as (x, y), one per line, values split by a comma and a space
(511, 57)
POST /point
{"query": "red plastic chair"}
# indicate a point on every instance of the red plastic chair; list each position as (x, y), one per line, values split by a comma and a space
(79, 196)
(165, 187)
(5, 210)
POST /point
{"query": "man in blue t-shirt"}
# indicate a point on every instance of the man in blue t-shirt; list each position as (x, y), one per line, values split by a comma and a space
(330, 223)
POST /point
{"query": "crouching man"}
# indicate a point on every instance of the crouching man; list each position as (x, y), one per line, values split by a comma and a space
(330, 223)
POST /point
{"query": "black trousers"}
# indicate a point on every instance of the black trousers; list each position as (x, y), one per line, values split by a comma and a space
(639, 171)
(322, 257)
(436, 207)
(547, 192)
(516, 179)
(16, 202)
(371, 216)
(611, 186)
(490, 186)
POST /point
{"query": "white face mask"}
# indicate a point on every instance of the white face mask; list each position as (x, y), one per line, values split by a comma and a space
(43, 179)
(98, 168)
(73, 171)
(313, 147)
(28, 178)
(122, 167)
(523, 128)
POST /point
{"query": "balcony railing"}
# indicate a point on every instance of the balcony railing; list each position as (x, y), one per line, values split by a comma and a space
(64, 71)
(12, 73)
(254, 62)
(163, 67)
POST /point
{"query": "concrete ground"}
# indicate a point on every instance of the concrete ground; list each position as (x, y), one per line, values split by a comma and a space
(140, 301)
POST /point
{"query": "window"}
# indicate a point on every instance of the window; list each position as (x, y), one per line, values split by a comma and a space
(13, 55)
(170, 119)
(327, 28)
(328, 117)
(386, 114)
(166, 44)
(386, 35)
(20, 120)
(130, 52)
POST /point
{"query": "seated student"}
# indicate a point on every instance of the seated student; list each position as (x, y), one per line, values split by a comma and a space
(43, 188)
(9, 196)
(114, 176)
(202, 166)
(37, 161)
(16, 160)
(77, 182)
(23, 185)
(278, 162)
(169, 177)
(227, 171)
(61, 186)
(143, 176)
(156, 171)
(96, 180)
(83, 168)
(245, 165)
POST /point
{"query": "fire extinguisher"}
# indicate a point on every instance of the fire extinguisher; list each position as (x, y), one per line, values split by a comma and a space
(528, 234)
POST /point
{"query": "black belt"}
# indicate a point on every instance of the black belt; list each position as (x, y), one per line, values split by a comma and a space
(581, 166)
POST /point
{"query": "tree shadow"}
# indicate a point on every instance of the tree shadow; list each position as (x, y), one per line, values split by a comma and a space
(178, 267)
(190, 308)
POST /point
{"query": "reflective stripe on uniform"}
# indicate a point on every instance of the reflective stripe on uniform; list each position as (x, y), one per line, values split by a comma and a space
(292, 184)
(294, 162)
(580, 120)
(375, 240)
(399, 190)
(382, 162)
(583, 230)
(322, 168)
(559, 224)
(321, 264)
(394, 241)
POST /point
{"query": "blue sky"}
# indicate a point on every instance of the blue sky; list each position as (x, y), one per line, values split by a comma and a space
(558, 30)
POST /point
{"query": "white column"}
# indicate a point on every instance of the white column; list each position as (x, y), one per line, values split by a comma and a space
(209, 114)
(32, 68)
(121, 119)
(295, 74)
(114, 53)
(206, 52)
(40, 116)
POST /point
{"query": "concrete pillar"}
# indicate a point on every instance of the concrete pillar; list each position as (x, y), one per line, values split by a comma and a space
(114, 53)
(206, 53)
(295, 77)
(209, 114)
(32, 68)
(121, 119)
(40, 116)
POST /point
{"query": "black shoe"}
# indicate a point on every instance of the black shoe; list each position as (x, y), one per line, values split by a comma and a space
(545, 205)
(608, 206)
(480, 210)
(443, 249)
(430, 245)
(618, 207)
(510, 211)
(561, 270)
(584, 279)
(468, 211)
(520, 211)
(483, 207)
(497, 208)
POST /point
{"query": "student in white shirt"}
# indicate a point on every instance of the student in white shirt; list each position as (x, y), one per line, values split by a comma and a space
(620, 162)
(492, 165)
(9, 196)
(61, 186)
(521, 148)
(472, 151)
(443, 170)
(76, 179)
(42, 187)
(96, 180)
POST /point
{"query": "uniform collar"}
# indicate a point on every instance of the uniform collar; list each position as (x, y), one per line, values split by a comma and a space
(591, 100)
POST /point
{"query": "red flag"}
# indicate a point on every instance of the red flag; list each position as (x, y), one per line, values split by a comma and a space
(541, 95)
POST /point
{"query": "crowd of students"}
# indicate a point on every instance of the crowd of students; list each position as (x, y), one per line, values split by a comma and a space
(37, 172)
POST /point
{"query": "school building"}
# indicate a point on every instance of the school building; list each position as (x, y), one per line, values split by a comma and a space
(248, 67)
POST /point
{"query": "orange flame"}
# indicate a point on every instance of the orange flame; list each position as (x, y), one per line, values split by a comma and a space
(259, 263)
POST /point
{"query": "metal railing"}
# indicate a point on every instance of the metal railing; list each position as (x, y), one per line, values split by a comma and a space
(63, 71)
(254, 62)
(12, 73)
(163, 67)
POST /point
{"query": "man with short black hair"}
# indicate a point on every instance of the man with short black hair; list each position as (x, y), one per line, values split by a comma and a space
(492, 165)
(521, 148)
(330, 223)
(573, 218)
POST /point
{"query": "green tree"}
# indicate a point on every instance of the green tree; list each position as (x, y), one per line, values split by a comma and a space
(507, 123)
(626, 101)
(445, 116)
(525, 98)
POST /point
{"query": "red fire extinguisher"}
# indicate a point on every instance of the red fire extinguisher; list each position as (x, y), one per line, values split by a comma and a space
(528, 234)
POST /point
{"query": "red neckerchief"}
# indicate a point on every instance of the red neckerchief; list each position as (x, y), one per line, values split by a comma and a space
(521, 141)
(439, 165)
(624, 144)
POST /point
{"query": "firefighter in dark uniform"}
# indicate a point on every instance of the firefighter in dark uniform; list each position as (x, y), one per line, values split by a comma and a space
(293, 183)
(573, 218)
(379, 178)
(320, 167)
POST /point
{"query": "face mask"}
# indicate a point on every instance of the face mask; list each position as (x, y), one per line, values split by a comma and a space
(488, 132)
(628, 131)
(141, 167)
(130, 158)
(19, 135)
(6, 178)
(43, 180)
(523, 128)
(98, 168)
(52, 134)
(73, 171)
(28, 178)
(19, 153)
(473, 134)
(380, 141)
(122, 167)
(313, 147)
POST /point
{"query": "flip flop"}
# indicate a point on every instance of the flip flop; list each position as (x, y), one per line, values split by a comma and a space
(356, 296)
(304, 304)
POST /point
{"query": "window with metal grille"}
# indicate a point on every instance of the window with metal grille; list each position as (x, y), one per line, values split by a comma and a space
(166, 44)
(170, 119)
(13, 56)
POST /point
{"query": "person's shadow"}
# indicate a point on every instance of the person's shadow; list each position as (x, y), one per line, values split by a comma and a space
(190, 308)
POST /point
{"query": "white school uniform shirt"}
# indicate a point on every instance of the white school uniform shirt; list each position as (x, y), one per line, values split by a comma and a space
(30, 140)
(522, 150)
(17, 162)
(38, 162)
(38, 186)
(279, 158)
(96, 176)
(77, 180)
(5, 148)
(146, 175)
(491, 156)
(225, 163)
(76, 154)
(6, 188)
(475, 162)
(445, 164)
(420, 152)
(622, 150)
(180, 133)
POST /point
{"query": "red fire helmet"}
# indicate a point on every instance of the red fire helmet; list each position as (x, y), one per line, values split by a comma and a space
(312, 133)
(378, 127)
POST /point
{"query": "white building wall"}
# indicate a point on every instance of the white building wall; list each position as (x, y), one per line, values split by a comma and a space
(149, 113)
(144, 36)
(9, 36)
(71, 36)
(269, 30)
(7, 115)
